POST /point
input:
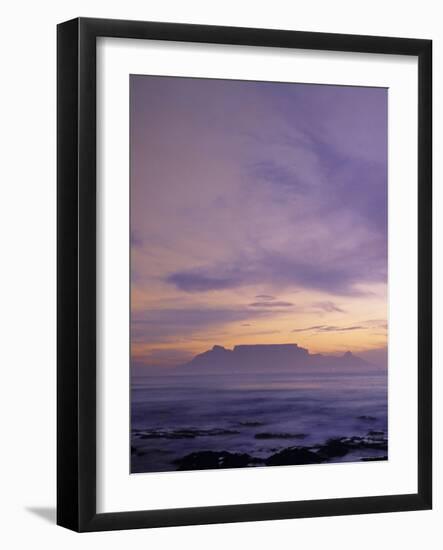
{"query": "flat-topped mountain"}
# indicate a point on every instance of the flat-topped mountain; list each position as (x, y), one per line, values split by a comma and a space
(271, 357)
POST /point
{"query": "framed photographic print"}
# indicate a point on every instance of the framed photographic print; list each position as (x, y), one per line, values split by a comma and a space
(244, 274)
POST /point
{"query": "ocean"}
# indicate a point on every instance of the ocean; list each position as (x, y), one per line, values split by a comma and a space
(194, 421)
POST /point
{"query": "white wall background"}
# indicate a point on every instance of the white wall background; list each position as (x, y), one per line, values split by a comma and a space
(27, 289)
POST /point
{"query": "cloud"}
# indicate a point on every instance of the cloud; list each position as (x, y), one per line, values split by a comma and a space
(336, 275)
(307, 329)
(199, 281)
(264, 332)
(328, 328)
(303, 173)
(164, 325)
(189, 316)
(371, 323)
(330, 307)
(275, 173)
(266, 297)
(377, 323)
(274, 304)
(344, 130)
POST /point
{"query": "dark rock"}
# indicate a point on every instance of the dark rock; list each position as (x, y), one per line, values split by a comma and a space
(334, 448)
(208, 460)
(356, 442)
(373, 442)
(338, 447)
(373, 458)
(270, 435)
(293, 456)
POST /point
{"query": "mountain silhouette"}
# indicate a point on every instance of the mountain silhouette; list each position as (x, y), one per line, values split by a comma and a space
(272, 357)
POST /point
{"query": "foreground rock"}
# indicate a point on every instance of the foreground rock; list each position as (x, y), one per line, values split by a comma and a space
(292, 456)
(334, 448)
(209, 460)
(373, 440)
(339, 447)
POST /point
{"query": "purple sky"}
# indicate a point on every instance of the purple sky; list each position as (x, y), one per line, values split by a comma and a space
(258, 215)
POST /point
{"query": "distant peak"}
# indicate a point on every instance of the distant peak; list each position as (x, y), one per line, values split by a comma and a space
(218, 348)
(348, 354)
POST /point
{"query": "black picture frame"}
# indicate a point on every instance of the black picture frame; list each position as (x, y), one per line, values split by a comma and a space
(76, 281)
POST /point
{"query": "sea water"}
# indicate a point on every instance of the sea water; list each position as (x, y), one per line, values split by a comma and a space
(173, 415)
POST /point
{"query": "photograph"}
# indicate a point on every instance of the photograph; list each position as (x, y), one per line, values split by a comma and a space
(221, 267)
(258, 274)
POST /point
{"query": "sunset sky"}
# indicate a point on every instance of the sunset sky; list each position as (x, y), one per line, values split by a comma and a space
(258, 215)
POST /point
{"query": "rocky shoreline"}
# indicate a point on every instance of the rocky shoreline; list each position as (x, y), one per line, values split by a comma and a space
(374, 442)
(296, 455)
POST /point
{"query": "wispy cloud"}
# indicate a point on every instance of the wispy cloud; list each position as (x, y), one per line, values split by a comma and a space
(201, 281)
(159, 325)
(328, 328)
(284, 271)
(329, 307)
(377, 323)
(273, 304)
(308, 329)
(275, 173)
